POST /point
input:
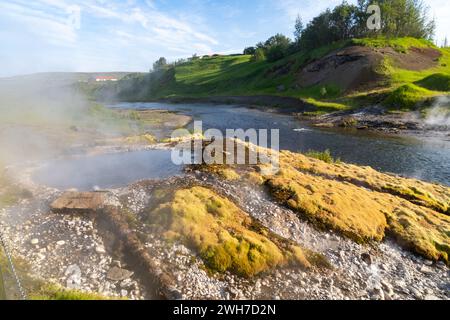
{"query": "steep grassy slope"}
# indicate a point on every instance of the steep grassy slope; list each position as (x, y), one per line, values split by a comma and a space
(390, 64)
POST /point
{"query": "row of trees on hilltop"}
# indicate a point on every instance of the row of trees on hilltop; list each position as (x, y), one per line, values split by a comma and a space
(399, 18)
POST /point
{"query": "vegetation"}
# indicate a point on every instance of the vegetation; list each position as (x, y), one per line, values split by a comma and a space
(364, 204)
(406, 97)
(330, 205)
(360, 202)
(324, 156)
(436, 82)
(272, 67)
(425, 194)
(54, 292)
(401, 18)
(226, 238)
(36, 289)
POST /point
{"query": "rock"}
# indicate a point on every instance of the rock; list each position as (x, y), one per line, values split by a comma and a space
(387, 287)
(117, 263)
(367, 258)
(118, 274)
(281, 88)
(426, 270)
(79, 202)
(60, 243)
(100, 249)
(417, 294)
(127, 283)
(431, 297)
(377, 294)
(34, 241)
(428, 263)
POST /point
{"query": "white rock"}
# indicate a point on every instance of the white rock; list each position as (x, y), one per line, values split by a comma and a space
(34, 241)
(100, 249)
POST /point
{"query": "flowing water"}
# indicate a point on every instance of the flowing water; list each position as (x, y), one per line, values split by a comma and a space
(427, 159)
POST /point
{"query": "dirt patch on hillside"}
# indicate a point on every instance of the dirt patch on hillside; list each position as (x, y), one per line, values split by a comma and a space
(415, 59)
(357, 67)
(349, 68)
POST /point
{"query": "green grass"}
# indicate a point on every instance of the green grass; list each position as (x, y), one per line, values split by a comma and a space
(238, 75)
(53, 292)
(324, 107)
(398, 44)
(36, 289)
(407, 97)
(436, 82)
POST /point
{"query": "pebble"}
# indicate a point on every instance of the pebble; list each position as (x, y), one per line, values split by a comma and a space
(100, 249)
(34, 241)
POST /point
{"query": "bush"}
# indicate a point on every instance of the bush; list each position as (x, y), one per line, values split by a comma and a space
(406, 97)
(250, 51)
(324, 156)
(437, 82)
(259, 55)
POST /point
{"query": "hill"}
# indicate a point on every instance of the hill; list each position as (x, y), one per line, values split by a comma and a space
(338, 76)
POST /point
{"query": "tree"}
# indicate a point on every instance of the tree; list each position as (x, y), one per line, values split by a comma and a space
(249, 51)
(277, 47)
(445, 43)
(299, 27)
(404, 18)
(160, 64)
(259, 55)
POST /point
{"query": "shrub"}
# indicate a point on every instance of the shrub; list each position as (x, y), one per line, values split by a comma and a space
(259, 55)
(437, 82)
(406, 97)
(324, 156)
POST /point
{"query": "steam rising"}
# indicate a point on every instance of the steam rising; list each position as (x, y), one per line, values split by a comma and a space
(38, 116)
(439, 115)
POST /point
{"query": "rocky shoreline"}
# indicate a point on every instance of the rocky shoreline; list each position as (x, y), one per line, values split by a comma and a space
(54, 245)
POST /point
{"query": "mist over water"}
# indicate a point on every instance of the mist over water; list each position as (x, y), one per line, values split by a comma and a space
(439, 115)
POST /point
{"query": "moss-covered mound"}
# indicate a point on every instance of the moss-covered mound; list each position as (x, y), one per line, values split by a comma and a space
(225, 237)
(406, 97)
(433, 196)
(436, 82)
(331, 204)
(364, 204)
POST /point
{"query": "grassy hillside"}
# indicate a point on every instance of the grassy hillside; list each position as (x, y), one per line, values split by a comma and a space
(238, 75)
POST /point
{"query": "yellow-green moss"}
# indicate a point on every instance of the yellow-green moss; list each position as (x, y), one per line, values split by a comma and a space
(141, 139)
(331, 204)
(229, 174)
(433, 196)
(54, 292)
(226, 238)
(336, 196)
(422, 230)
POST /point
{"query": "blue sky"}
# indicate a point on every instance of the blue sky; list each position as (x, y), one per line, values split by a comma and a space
(128, 35)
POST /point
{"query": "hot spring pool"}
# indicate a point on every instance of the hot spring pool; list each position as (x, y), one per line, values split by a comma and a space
(107, 171)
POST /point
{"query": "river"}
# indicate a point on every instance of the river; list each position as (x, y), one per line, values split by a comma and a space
(422, 158)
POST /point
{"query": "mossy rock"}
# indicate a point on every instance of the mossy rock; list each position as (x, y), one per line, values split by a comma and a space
(331, 204)
(225, 237)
